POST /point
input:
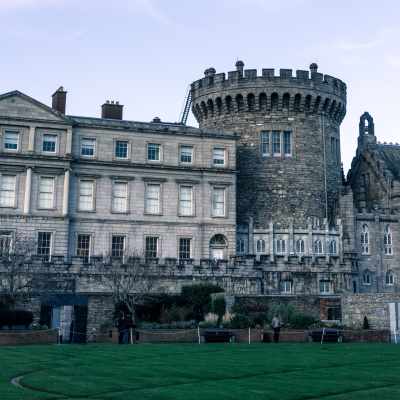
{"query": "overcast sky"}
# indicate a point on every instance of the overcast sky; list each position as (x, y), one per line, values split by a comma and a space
(144, 53)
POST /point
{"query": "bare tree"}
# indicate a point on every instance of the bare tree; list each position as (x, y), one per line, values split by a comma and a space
(129, 280)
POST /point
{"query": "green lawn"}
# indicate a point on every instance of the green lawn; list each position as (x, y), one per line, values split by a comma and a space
(190, 372)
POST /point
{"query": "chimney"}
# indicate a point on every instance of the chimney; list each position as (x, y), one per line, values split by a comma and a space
(111, 110)
(59, 100)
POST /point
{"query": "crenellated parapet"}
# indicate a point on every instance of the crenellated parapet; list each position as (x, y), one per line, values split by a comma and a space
(242, 91)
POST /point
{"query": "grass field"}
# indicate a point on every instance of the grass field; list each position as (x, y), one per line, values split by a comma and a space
(191, 372)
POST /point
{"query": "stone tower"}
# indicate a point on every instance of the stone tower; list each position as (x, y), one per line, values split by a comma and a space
(289, 151)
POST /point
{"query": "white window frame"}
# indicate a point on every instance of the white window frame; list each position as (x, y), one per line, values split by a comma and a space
(147, 209)
(50, 244)
(368, 281)
(365, 250)
(300, 246)
(260, 246)
(277, 134)
(93, 181)
(326, 287)
(114, 235)
(83, 139)
(89, 247)
(214, 158)
(213, 203)
(122, 198)
(333, 250)
(187, 146)
(160, 155)
(6, 239)
(12, 132)
(240, 246)
(127, 149)
(388, 241)
(53, 192)
(180, 208)
(290, 142)
(285, 284)
(280, 246)
(157, 245)
(263, 135)
(389, 278)
(55, 135)
(190, 239)
(318, 247)
(14, 204)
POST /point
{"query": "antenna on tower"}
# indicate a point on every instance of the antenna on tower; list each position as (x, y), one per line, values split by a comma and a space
(187, 104)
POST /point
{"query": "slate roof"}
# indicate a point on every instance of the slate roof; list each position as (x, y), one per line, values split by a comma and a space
(390, 155)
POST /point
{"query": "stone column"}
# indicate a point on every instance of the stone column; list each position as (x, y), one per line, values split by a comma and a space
(31, 139)
(271, 242)
(66, 193)
(28, 187)
(68, 146)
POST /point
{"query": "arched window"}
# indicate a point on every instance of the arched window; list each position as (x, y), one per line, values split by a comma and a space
(274, 101)
(218, 103)
(300, 246)
(387, 241)
(240, 246)
(367, 277)
(228, 104)
(365, 239)
(318, 247)
(260, 246)
(390, 278)
(333, 247)
(280, 246)
(239, 103)
(210, 107)
(286, 101)
(297, 101)
(307, 104)
(218, 247)
(204, 110)
(251, 102)
(262, 99)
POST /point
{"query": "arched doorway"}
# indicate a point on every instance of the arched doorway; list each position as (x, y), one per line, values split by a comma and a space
(218, 247)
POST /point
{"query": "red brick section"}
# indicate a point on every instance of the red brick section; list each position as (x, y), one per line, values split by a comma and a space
(12, 338)
(366, 335)
(287, 336)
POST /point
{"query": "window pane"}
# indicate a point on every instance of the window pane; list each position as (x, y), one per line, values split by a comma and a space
(186, 154)
(11, 140)
(184, 248)
(46, 192)
(153, 199)
(287, 142)
(219, 156)
(120, 197)
(264, 143)
(153, 152)
(83, 247)
(49, 143)
(86, 195)
(5, 243)
(276, 142)
(44, 245)
(121, 149)
(7, 190)
(117, 246)
(151, 246)
(218, 202)
(186, 200)
(88, 147)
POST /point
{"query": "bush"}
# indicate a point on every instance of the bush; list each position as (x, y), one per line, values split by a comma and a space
(240, 321)
(365, 323)
(301, 321)
(12, 318)
(219, 307)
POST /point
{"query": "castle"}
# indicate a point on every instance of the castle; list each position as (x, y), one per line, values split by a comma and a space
(253, 200)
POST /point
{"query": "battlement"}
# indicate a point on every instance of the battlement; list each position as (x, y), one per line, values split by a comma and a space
(246, 90)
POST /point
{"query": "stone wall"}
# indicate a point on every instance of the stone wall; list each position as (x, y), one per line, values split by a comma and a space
(12, 338)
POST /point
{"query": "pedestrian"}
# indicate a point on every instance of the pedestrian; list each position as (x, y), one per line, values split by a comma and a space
(276, 326)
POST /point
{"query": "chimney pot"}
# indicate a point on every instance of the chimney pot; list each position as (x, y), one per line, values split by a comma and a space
(112, 110)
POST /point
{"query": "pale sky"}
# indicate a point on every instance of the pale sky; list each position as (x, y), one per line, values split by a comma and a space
(145, 53)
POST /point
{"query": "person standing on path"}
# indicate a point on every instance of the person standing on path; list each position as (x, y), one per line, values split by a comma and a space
(276, 326)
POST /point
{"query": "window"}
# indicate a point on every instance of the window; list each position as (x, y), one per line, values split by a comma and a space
(49, 143)
(332, 247)
(218, 202)
(86, 195)
(318, 247)
(367, 278)
(46, 192)
(287, 143)
(240, 246)
(44, 245)
(186, 200)
(260, 246)
(151, 247)
(365, 240)
(152, 200)
(387, 241)
(300, 246)
(117, 246)
(88, 147)
(280, 246)
(390, 278)
(7, 190)
(264, 140)
(186, 154)
(5, 243)
(120, 197)
(83, 247)
(218, 157)
(276, 143)
(153, 152)
(185, 248)
(121, 149)
(335, 313)
(11, 141)
(287, 286)
(325, 287)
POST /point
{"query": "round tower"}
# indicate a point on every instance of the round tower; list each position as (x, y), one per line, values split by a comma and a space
(289, 152)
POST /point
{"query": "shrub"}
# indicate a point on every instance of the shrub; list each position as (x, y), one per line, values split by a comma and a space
(301, 321)
(365, 323)
(240, 321)
(219, 307)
